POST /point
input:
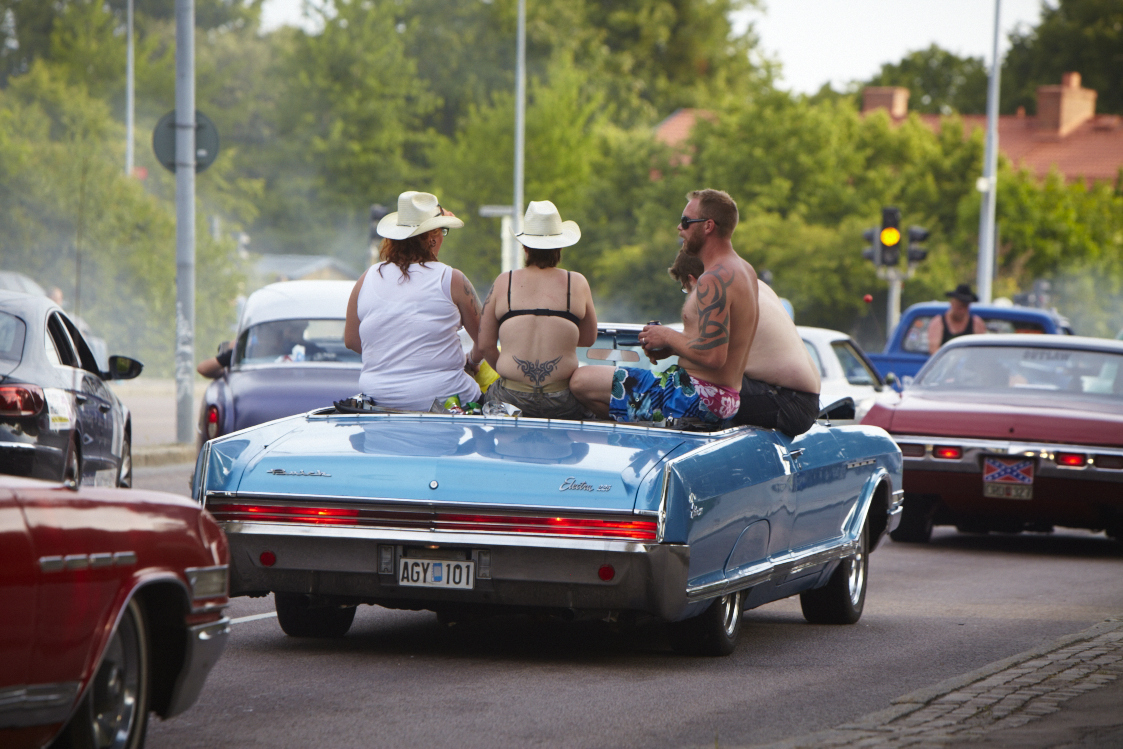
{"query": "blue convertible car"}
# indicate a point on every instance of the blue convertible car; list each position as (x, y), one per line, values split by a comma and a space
(467, 514)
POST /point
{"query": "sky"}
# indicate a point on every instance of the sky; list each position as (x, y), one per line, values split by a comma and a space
(838, 41)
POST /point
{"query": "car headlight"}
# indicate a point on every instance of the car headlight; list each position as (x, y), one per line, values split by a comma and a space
(207, 582)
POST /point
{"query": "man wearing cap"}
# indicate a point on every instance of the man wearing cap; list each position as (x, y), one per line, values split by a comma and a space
(404, 312)
(957, 321)
(534, 319)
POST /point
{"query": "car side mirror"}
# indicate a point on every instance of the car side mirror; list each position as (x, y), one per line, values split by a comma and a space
(612, 354)
(123, 368)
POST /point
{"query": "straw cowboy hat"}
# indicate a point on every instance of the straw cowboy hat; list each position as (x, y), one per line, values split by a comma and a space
(543, 228)
(418, 212)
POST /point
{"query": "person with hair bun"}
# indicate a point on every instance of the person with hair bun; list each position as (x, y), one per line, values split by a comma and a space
(404, 313)
(539, 315)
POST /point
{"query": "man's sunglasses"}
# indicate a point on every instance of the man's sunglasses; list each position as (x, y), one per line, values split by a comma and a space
(685, 222)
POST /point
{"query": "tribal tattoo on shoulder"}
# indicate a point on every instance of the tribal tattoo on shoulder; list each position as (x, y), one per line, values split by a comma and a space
(711, 298)
(536, 371)
(472, 296)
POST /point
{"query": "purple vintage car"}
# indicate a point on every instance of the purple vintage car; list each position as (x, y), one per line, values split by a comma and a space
(288, 358)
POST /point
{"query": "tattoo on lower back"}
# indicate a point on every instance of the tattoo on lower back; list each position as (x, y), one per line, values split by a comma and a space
(712, 302)
(536, 371)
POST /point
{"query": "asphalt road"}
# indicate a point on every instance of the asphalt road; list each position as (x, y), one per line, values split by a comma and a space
(400, 679)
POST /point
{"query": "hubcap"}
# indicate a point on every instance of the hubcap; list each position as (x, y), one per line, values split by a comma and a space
(857, 577)
(116, 689)
(730, 611)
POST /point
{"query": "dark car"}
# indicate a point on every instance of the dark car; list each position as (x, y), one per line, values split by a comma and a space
(59, 420)
(1011, 433)
(288, 358)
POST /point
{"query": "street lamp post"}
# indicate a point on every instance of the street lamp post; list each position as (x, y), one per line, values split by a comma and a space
(130, 94)
(184, 218)
(520, 120)
(988, 185)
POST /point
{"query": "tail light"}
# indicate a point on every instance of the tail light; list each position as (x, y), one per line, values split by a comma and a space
(911, 450)
(1071, 460)
(947, 452)
(21, 400)
(212, 421)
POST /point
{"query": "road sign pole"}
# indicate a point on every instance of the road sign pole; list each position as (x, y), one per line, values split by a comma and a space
(184, 219)
(893, 311)
(520, 121)
(988, 185)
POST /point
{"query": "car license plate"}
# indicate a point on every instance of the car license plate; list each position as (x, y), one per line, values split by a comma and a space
(1008, 478)
(431, 573)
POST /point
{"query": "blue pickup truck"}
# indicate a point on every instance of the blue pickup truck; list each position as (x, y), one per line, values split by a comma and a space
(907, 348)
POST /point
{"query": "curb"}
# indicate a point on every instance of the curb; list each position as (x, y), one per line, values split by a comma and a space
(873, 729)
(163, 455)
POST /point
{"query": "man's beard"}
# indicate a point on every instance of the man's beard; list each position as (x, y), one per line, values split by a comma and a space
(692, 245)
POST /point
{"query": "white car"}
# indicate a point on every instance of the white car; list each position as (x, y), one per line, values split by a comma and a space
(843, 367)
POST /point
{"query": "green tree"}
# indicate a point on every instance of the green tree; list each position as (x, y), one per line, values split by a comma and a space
(1085, 36)
(939, 81)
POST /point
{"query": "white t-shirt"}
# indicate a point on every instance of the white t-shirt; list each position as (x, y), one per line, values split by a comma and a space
(411, 352)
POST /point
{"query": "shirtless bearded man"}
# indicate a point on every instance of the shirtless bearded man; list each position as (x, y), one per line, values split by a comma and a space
(719, 322)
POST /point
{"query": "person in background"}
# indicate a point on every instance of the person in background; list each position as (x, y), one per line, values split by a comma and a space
(957, 321)
(788, 399)
(404, 312)
(538, 316)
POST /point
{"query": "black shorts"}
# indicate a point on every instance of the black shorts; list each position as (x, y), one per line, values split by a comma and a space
(774, 407)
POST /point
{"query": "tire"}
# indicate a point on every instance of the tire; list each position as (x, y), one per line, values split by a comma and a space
(842, 599)
(113, 714)
(125, 470)
(714, 632)
(72, 469)
(917, 513)
(299, 616)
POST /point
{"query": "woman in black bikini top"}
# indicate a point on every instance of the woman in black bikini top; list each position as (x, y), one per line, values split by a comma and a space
(539, 356)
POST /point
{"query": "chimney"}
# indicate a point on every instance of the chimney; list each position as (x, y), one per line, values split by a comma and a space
(893, 98)
(1061, 109)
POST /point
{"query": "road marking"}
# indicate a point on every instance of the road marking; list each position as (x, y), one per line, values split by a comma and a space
(255, 617)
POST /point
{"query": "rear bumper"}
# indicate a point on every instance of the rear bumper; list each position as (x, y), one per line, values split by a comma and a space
(205, 643)
(548, 572)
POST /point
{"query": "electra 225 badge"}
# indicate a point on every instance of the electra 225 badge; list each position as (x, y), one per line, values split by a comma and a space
(283, 472)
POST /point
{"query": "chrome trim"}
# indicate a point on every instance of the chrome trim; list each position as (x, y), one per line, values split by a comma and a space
(383, 501)
(124, 558)
(76, 561)
(204, 645)
(51, 564)
(194, 573)
(37, 704)
(780, 566)
(974, 448)
(17, 446)
(435, 536)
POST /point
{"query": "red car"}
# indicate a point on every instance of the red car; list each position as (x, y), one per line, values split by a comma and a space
(1011, 433)
(112, 605)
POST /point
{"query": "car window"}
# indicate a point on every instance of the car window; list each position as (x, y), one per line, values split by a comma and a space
(916, 338)
(815, 358)
(854, 367)
(628, 341)
(56, 331)
(12, 332)
(1013, 326)
(1016, 368)
(85, 354)
(293, 341)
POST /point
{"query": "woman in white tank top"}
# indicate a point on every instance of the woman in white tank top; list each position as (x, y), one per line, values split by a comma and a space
(404, 313)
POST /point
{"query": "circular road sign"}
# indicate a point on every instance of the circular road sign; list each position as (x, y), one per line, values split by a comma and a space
(206, 141)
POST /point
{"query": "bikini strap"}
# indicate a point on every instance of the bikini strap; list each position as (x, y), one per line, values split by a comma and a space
(510, 273)
(567, 291)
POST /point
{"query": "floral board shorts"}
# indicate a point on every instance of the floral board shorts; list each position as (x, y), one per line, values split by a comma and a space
(638, 393)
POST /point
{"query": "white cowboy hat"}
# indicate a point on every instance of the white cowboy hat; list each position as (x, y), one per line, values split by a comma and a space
(418, 212)
(543, 228)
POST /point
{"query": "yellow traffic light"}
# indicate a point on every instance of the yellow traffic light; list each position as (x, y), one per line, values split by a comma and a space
(890, 236)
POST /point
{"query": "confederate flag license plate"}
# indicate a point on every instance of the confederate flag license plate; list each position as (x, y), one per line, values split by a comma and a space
(1008, 478)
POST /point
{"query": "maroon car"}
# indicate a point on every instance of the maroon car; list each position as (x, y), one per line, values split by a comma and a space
(112, 606)
(1011, 433)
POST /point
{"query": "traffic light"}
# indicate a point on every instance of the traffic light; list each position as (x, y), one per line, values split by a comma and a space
(890, 236)
(873, 252)
(916, 253)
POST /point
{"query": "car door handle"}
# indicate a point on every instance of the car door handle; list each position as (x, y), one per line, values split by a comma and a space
(81, 398)
(795, 453)
(104, 407)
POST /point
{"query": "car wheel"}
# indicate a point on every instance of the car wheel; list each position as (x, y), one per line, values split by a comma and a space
(714, 631)
(113, 714)
(917, 513)
(842, 599)
(300, 616)
(72, 470)
(125, 474)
